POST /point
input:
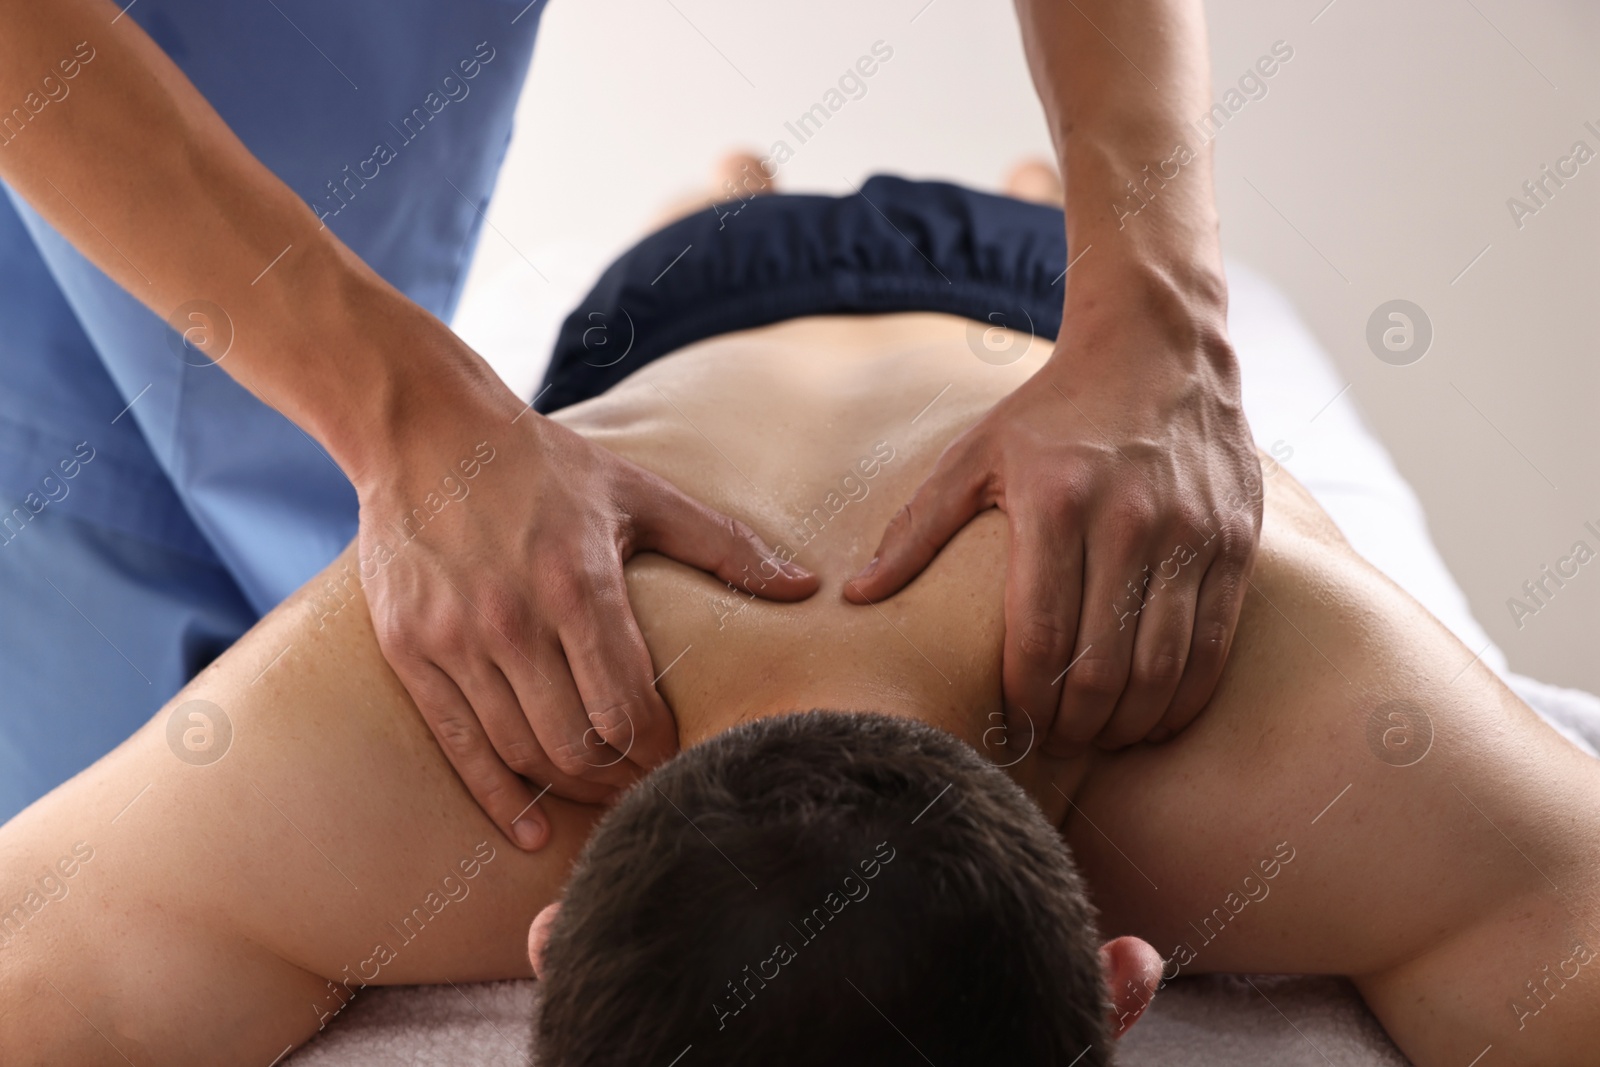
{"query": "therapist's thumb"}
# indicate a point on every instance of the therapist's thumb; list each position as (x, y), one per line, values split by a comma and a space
(945, 502)
(671, 522)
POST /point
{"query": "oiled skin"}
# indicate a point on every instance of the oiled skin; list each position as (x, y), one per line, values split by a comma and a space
(226, 910)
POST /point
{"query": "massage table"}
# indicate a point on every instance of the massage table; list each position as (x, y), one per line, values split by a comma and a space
(1299, 410)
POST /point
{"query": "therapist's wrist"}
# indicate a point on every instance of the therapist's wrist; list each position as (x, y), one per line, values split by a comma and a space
(1179, 303)
(430, 412)
(407, 387)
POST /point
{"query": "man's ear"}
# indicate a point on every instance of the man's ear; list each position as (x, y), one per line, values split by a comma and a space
(539, 936)
(1133, 974)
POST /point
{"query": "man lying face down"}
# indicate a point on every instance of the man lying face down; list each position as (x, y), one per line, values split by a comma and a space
(821, 888)
(813, 888)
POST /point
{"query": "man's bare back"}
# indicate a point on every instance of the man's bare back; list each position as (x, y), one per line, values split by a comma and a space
(1358, 798)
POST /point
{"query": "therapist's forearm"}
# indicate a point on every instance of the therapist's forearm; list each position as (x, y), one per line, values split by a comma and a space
(1120, 81)
(137, 170)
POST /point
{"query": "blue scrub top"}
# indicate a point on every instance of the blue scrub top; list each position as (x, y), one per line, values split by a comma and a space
(388, 117)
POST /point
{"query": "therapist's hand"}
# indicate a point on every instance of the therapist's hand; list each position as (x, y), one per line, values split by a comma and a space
(506, 615)
(1128, 450)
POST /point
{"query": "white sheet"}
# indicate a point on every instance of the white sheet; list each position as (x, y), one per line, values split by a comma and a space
(1292, 395)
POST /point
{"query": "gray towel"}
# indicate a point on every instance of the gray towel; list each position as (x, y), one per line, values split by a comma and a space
(1210, 1021)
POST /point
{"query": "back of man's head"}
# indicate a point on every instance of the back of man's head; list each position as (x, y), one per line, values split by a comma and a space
(824, 888)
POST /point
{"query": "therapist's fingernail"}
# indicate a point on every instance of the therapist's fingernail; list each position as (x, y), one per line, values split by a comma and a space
(866, 572)
(794, 570)
(528, 832)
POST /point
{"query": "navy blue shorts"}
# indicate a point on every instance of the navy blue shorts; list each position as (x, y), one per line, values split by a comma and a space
(897, 245)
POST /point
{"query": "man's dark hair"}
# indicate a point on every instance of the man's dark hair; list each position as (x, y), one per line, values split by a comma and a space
(824, 888)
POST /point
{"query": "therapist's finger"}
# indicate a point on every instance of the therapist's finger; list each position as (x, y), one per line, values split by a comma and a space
(513, 699)
(955, 491)
(1160, 653)
(1043, 601)
(1107, 624)
(504, 797)
(1216, 617)
(612, 668)
(552, 708)
(669, 521)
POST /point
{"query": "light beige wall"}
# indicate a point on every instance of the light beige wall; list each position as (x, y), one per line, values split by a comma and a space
(1377, 166)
